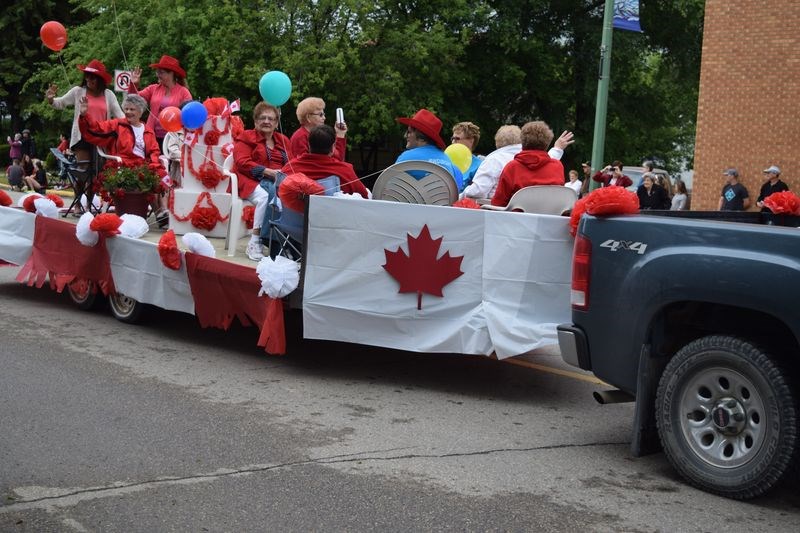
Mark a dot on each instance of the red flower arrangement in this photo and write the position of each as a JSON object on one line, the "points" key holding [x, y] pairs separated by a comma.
{"points": [[295, 188], [248, 215], [5, 199], [784, 202], [467, 203], [605, 201], [116, 181]]}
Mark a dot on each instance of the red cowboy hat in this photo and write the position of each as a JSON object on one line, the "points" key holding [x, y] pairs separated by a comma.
{"points": [[97, 68], [427, 123], [170, 63]]}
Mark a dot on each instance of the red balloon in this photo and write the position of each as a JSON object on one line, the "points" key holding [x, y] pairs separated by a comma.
{"points": [[53, 35], [170, 118]]}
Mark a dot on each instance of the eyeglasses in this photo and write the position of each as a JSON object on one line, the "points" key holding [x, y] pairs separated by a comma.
{"points": [[455, 138], [264, 118], [320, 114]]}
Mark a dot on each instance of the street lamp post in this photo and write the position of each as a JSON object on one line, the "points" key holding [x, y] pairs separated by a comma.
{"points": [[599, 138]]}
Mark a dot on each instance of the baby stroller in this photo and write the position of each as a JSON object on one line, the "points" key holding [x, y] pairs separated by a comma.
{"points": [[80, 175]]}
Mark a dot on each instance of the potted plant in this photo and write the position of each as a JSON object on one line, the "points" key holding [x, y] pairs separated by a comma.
{"points": [[130, 188]]}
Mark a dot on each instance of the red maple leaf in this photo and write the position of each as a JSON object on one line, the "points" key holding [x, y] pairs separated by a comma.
{"points": [[420, 271]]}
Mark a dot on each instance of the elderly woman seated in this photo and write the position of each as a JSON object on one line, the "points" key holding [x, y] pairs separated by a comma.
{"points": [[127, 138], [531, 166], [259, 154]]}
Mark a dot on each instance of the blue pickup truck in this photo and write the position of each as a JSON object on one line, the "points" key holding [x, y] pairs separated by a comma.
{"points": [[696, 317]]}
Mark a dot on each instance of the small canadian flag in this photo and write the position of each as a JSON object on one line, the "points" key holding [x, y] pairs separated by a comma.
{"points": [[188, 138], [232, 107]]}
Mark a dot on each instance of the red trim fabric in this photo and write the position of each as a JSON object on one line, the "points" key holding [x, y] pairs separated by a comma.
{"points": [[223, 291], [58, 253]]}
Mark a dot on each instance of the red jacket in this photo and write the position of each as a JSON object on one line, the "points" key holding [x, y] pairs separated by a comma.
{"points": [[529, 167], [606, 177], [300, 144], [116, 137], [250, 158], [319, 166]]}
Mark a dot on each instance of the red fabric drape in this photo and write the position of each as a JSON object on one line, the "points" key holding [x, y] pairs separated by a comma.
{"points": [[57, 252], [223, 291]]}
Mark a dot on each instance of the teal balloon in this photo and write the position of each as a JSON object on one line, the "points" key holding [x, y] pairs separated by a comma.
{"points": [[275, 87], [193, 115]]}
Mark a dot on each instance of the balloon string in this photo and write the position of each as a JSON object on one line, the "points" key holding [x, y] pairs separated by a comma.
{"points": [[63, 68], [119, 35]]}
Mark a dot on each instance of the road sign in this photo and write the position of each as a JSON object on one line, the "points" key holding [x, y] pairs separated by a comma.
{"points": [[122, 79]]}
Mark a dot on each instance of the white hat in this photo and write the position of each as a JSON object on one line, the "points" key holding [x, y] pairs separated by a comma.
{"points": [[772, 170]]}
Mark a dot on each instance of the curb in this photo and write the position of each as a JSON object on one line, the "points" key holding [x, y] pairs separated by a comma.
{"points": [[63, 193]]}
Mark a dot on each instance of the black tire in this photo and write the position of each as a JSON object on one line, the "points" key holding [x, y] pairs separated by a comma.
{"points": [[125, 309], [726, 416], [84, 294]]}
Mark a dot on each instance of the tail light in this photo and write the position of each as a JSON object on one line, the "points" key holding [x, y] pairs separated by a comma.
{"points": [[581, 262]]}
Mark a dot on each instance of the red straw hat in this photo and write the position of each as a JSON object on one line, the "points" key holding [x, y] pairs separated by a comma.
{"points": [[97, 68], [427, 123], [170, 63]]}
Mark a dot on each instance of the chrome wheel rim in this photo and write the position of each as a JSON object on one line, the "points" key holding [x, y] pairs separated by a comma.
{"points": [[723, 417], [123, 305]]}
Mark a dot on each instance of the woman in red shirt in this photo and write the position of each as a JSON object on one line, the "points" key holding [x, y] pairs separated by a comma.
{"points": [[170, 91]]}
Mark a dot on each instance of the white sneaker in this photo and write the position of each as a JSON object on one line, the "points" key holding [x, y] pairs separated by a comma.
{"points": [[254, 251]]}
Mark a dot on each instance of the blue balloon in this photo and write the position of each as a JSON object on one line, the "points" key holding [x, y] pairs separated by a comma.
{"points": [[275, 87], [193, 115]]}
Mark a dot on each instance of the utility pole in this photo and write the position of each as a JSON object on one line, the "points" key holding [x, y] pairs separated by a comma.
{"points": [[599, 138]]}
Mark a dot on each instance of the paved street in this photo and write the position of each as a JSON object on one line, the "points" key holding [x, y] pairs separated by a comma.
{"points": [[165, 426]]}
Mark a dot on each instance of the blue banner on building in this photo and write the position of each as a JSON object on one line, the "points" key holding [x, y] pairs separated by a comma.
{"points": [[626, 15]]}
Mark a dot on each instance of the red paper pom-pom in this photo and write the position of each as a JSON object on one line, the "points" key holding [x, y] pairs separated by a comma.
{"points": [[237, 126], [211, 137], [5, 199], [106, 224], [248, 214], [27, 204], [612, 201], [215, 106], [56, 199], [784, 202], [168, 251], [467, 203], [295, 188], [575, 217]]}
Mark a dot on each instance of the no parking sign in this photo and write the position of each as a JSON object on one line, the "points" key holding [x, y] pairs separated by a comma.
{"points": [[122, 78]]}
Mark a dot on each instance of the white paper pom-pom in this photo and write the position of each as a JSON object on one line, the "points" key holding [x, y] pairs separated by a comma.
{"points": [[133, 226], [278, 276], [46, 207], [198, 244], [86, 236], [21, 201]]}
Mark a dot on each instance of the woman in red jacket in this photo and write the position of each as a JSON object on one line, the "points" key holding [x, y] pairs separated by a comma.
{"points": [[532, 166], [259, 154], [127, 138]]}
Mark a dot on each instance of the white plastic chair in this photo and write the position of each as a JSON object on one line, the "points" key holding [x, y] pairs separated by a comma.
{"points": [[236, 226], [397, 184], [539, 199]]}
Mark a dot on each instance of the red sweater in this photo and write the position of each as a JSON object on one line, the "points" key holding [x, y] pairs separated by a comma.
{"points": [[319, 166], [529, 167], [300, 144], [250, 156], [116, 137]]}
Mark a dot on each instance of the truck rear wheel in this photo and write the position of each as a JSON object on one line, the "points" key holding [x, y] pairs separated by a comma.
{"points": [[83, 294], [726, 417], [124, 308]]}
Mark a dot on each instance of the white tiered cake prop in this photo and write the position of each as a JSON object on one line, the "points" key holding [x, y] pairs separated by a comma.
{"points": [[203, 153]]}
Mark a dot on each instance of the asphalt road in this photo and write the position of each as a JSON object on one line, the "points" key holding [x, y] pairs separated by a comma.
{"points": [[168, 427]]}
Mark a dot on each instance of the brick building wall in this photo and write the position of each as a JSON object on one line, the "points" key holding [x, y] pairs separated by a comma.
{"points": [[749, 104]]}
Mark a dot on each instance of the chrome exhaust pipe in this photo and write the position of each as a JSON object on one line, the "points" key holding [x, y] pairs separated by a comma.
{"points": [[604, 397]]}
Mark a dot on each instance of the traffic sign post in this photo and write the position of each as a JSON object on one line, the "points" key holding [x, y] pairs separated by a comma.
{"points": [[122, 78]]}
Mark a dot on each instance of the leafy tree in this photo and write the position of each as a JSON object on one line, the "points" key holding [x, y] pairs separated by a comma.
{"points": [[488, 61]]}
